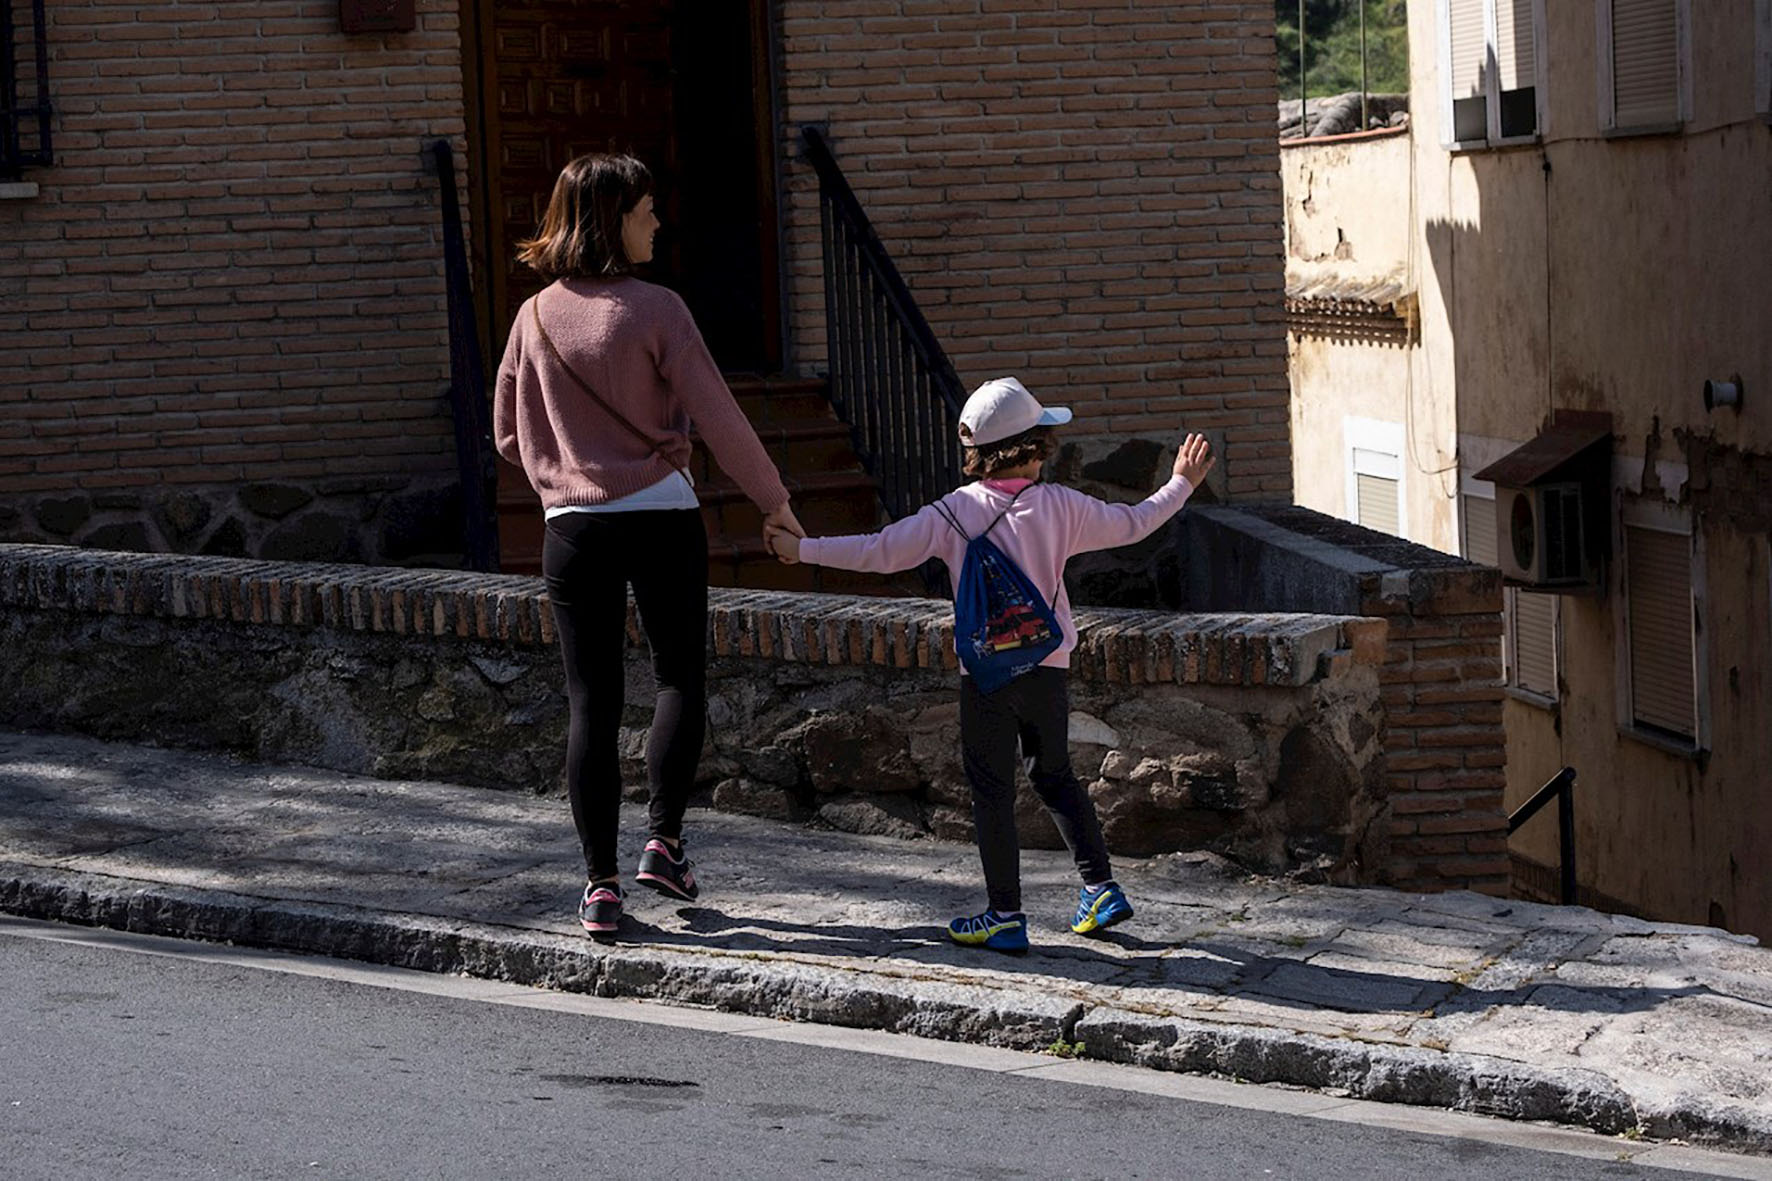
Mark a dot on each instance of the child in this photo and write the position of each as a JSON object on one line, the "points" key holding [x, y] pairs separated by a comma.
{"points": [[1007, 437]]}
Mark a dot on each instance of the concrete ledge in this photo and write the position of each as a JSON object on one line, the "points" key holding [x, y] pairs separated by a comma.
{"points": [[766, 986]]}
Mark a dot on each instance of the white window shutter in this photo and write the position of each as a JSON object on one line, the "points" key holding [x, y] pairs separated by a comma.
{"points": [[1535, 642], [1479, 531], [1515, 52], [1377, 503], [1645, 63], [1470, 47], [1658, 585]]}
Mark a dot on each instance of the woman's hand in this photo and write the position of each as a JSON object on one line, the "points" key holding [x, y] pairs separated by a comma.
{"points": [[779, 527], [1194, 459], [781, 543]]}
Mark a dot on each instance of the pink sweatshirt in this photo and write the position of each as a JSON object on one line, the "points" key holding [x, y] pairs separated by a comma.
{"points": [[636, 344], [1047, 524]]}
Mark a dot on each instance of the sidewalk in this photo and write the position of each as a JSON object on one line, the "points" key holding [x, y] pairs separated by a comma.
{"points": [[1452, 1000]]}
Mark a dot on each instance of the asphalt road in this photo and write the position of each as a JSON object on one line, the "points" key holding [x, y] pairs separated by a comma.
{"points": [[117, 1064]]}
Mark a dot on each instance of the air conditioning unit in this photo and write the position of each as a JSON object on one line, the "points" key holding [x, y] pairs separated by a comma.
{"points": [[1538, 535]]}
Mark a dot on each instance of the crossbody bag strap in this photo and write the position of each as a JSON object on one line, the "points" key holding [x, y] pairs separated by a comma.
{"points": [[535, 308], [1006, 508], [947, 514]]}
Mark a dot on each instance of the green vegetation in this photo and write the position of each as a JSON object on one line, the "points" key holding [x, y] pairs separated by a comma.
{"points": [[1332, 46], [1063, 1049]]}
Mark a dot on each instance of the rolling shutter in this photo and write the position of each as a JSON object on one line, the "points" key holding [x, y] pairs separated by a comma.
{"points": [[1470, 47], [1658, 585], [1479, 531], [1515, 52], [1534, 623], [1377, 507], [1469, 34], [1645, 63]]}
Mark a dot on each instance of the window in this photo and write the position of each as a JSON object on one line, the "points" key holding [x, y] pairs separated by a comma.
{"points": [[1375, 474], [1531, 621], [1644, 71], [1662, 695], [24, 89], [1491, 50]]}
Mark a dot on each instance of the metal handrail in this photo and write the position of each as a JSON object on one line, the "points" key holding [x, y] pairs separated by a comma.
{"points": [[1562, 786], [467, 380], [13, 116], [889, 377]]}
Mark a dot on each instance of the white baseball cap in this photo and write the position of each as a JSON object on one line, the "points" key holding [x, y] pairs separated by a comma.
{"points": [[1002, 408]]}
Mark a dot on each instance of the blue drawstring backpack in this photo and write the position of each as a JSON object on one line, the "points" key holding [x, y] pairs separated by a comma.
{"points": [[1003, 626]]}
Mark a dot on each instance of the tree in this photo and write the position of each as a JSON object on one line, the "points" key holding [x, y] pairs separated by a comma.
{"points": [[1332, 46]]}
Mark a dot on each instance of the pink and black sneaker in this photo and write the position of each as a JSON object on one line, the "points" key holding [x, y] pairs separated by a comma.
{"points": [[668, 875], [599, 913]]}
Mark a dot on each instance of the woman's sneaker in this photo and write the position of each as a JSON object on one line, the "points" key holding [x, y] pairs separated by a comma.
{"points": [[998, 932], [1100, 909], [666, 874], [599, 912]]}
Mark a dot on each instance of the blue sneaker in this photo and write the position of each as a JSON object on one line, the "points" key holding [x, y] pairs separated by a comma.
{"points": [[1100, 909], [991, 930]]}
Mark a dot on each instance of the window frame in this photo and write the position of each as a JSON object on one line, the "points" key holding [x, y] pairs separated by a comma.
{"points": [[1492, 91], [1374, 436], [1683, 74], [1662, 517]]}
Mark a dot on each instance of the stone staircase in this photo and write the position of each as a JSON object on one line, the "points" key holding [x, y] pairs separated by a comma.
{"points": [[810, 445]]}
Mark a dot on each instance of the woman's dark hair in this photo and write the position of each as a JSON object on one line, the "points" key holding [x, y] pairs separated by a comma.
{"points": [[981, 463], [580, 235]]}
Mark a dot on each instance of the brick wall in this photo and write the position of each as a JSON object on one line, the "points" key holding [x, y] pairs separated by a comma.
{"points": [[234, 269], [1082, 192]]}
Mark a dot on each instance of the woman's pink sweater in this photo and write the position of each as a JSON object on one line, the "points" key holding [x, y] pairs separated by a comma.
{"points": [[1045, 526], [636, 344]]}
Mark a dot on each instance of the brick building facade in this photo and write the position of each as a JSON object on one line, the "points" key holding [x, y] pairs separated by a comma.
{"points": [[223, 304]]}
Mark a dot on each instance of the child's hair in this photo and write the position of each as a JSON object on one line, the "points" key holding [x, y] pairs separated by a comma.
{"points": [[981, 463], [580, 235]]}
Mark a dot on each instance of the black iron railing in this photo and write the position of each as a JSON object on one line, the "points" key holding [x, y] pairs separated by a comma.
{"points": [[467, 380], [890, 379], [24, 92], [1562, 786]]}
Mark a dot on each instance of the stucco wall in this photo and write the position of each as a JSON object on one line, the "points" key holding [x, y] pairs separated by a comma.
{"points": [[1617, 274], [1348, 221]]}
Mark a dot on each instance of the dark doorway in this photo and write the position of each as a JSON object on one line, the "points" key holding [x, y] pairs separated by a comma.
{"points": [[682, 84]]}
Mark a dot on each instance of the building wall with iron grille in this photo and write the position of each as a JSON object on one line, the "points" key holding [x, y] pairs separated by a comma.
{"points": [[1082, 194]]}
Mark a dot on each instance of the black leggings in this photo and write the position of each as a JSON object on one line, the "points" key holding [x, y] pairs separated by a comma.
{"points": [[589, 560], [1032, 711]]}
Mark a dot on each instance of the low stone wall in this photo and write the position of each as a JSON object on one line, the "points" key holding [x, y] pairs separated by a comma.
{"points": [[1259, 736]]}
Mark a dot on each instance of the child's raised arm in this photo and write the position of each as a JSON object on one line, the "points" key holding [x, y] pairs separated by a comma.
{"points": [[902, 545]]}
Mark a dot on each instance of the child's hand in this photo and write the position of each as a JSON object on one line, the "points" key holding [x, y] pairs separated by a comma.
{"points": [[781, 543], [1194, 459]]}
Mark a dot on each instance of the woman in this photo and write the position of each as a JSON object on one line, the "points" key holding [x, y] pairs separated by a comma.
{"points": [[601, 378]]}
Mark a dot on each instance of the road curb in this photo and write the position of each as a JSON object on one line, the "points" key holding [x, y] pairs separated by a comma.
{"points": [[761, 985]]}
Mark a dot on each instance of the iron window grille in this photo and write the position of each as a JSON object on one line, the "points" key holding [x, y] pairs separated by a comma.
{"points": [[24, 89]]}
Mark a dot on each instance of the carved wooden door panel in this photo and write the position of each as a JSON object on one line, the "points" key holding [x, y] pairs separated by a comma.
{"points": [[565, 77]]}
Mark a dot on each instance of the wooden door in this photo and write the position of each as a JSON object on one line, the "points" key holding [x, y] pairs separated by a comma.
{"points": [[565, 77]]}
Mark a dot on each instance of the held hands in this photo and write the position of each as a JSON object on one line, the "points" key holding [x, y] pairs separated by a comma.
{"points": [[1194, 459], [782, 532]]}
